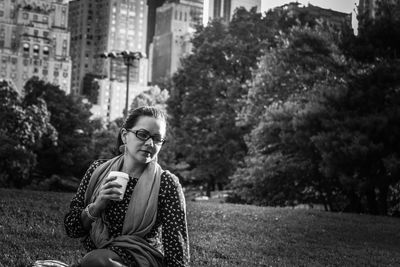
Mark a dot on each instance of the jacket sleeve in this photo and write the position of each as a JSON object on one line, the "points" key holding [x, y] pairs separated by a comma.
{"points": [[72, 220], [174, 225]]}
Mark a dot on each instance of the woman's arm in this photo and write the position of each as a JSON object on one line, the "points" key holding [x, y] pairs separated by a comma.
{"points": [[174, 226], [76, 222]]}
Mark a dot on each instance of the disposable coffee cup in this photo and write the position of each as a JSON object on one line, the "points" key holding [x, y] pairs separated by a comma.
{"points": [[122, 179]]}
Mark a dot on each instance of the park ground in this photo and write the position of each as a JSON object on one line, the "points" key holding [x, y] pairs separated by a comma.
{"points": [[31, 228]]}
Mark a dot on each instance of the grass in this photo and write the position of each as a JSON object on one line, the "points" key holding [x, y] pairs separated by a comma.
{"points": [[31, 228]]}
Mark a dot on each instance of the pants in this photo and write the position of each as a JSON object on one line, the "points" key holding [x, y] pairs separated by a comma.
{"points": [[102, 258]]}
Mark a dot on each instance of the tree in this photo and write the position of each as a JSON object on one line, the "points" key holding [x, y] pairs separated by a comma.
{"points": [[379, 37], [206, 93], [105, 141], [70, 117], [22, 126], [208, 99], [332, 143], [151, 97], [282, 165]]}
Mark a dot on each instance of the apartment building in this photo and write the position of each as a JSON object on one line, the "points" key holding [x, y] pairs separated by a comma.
{"points": [[175, 25], [34, 41], [104, 26], [224, 9]]}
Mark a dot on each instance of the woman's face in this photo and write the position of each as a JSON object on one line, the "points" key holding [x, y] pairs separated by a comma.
{"points": [[139, 150]]}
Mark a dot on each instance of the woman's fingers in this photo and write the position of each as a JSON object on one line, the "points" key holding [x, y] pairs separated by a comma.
{"points": [[110, 193], [111, 185], [109, 179]]}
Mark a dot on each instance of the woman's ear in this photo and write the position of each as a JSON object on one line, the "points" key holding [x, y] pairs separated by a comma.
{"points": [[124, 132]]}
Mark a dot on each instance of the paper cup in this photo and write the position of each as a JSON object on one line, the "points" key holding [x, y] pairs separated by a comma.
{"points": [[122, 179]]}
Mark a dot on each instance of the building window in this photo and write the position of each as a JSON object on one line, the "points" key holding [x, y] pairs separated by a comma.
{"points": [[25, 15], [1, 13], [12, 13], [26, 48], [35, 17], [35, 50], [45, 51], [4, 59]]}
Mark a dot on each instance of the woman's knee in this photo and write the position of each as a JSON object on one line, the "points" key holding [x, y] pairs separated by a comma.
{"points": [[100, 258]]}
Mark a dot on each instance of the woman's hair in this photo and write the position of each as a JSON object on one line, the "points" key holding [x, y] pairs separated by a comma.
{"points": [[134, 116]]}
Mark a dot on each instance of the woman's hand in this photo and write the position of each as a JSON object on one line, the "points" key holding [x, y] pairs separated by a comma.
{"points": [[108, 191]]}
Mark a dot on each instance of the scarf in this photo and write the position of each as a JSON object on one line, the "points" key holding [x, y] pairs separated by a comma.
{"points": [[140, 216]]}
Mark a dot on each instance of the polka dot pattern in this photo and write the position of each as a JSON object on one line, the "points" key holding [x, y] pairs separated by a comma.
{"points": [[168, 235]]}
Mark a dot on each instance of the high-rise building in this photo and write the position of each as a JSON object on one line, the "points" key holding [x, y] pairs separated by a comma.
{"points": [[334, 18], [175, 25], [34, 41], [224, 9], [151, 20], [103, 26]]}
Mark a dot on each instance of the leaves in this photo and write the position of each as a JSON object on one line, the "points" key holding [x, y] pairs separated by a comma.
{"points": [[22, 128]]}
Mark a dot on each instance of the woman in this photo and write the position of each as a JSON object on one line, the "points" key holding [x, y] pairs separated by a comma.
{"points": [[129, 232]]}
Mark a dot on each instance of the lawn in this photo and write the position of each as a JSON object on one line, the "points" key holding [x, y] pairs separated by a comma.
{"points": [[220, 234]]}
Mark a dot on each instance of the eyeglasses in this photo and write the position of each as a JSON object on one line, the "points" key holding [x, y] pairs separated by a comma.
{"points": [[145, 135]]}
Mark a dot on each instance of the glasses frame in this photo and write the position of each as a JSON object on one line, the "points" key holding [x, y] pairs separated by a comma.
{"points": [[150, 136]]}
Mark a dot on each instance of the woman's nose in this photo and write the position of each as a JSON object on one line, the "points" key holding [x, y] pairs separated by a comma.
{"points": [[149, 142]]}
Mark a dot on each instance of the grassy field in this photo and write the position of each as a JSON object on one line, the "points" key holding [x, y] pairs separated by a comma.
{"points": [[220, 234]]}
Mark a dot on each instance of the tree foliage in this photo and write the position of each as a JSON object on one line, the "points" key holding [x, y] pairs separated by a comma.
{"points": [[151, 97], [323, 126], [206, 94], [22, 128], [379, 37], [209, 95], [70, 117]]}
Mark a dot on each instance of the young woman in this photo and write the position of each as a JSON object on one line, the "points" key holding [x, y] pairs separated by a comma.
{"points": [[148, 227]]}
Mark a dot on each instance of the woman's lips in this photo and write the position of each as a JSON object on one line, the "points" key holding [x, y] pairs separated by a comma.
{"points": [[146, 152]]}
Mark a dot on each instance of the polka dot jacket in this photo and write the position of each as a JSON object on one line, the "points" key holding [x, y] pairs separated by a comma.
{"points": [[169, 234]]}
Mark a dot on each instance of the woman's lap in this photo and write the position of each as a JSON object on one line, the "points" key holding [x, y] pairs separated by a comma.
{"points": [[102, 258]]}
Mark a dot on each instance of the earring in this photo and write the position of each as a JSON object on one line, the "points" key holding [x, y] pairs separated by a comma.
{"points": [[122, 148]]}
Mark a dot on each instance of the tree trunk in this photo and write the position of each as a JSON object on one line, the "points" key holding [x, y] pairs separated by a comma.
{"points": [[355, 203], [210, 186], [371, 201], [382, 200]]}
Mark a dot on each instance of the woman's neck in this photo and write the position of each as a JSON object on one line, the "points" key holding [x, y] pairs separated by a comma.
{"points": [[134, 169]]}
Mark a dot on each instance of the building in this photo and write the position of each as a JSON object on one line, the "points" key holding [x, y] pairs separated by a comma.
{"points": [[151, 20], [175, 25], [224, 9], [103, 26], [34, 41], [334, 18]]}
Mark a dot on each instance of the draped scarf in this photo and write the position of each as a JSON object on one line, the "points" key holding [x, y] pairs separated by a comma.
{"points": [[140, 216]]}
